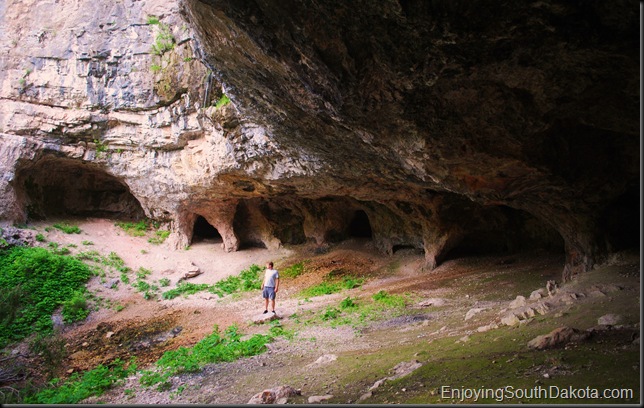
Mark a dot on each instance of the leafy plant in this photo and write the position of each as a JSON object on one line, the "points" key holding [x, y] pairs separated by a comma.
{"points": [[389, 300], [160, 237], [164, 41], [347, 303], [78, 387], [223, 101], [75, 308], [46, 281], [164, 282], [40, 238], [68, 229], [213, 348]]}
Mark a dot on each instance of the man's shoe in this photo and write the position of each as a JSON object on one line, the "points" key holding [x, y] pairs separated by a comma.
{"points": [[273, 311], [265, 311]]}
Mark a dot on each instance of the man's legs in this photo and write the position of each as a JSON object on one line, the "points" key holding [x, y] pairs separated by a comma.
{"points": [[265, 305], [272, 304]]}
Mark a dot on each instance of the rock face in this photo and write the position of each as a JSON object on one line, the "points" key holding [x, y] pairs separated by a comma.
{"points": [[447, 126]]}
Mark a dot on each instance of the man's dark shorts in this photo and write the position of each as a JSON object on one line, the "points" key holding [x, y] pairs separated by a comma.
{"points": [[268, 293]]}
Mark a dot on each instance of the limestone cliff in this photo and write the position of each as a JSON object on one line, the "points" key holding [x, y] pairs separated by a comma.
{"points": [[444, 126]]}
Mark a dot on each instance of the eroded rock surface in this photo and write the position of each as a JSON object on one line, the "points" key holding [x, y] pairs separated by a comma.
{"points": [[448, 127]]}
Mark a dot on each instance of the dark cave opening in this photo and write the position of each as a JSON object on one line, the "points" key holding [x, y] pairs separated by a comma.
{"points": [[622, 219], [360, 227], [59, 187], [203, 230], [503, 230], [407, 249]]}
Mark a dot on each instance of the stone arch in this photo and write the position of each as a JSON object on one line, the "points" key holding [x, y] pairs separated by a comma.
{"points": [[58, 187]]}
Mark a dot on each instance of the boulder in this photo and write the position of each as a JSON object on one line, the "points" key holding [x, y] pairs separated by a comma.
{"points": [[277, 395], [558, 337], [610, 319]]}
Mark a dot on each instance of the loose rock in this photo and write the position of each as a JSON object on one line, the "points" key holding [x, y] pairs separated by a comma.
{"points": [[557, 337]]}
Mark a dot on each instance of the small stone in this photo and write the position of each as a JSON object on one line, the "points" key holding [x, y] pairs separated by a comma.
{"points": [[316, 399], [472, 312], [85, 344], [71, 370], [546, 375], [109, 334]]}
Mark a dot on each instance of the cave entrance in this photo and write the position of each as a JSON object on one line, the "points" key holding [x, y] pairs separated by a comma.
{"points": [[618, 221], [359, 227], [56, 187], [504, 230], [204, 231]]}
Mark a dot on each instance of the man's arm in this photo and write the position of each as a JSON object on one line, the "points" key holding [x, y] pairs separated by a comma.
{"points": [[277, 284]]}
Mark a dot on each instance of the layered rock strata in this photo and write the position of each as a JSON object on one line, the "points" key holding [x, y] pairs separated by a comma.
{"points": [[448, 127]]}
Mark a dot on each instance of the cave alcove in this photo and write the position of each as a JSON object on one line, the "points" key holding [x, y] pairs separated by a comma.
{"points": [[55, 187], [204, 231], [503, 230], [359, 226], [619, 221]]}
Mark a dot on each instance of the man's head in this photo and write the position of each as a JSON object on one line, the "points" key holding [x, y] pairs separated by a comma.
{"points": [[270, 265]]}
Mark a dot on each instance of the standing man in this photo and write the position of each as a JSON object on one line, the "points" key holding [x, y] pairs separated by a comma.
{"points": [[270, 285]]}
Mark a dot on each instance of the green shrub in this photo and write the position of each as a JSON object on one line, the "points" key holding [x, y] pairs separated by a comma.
{"points": [[40, 238], [46, 281], [68, 229], [78, 387], [214, 348], [164, 282], [330, 313], [75, 308], [160, 237], [347, 303], [185, 288]]}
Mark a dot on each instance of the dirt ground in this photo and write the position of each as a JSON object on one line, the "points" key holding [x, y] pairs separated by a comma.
{"points": [[147, 328]]}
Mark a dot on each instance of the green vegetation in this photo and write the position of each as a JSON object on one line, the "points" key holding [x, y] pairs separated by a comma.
{"points": [[332, 286], [159, 237], [294, 270], [389, 300], [164, 41], [155, 67], [34, 282], [68, 229], [248, 279], [79, 387], [40, 238], [137, 229], [214, 348], [223, 101]]}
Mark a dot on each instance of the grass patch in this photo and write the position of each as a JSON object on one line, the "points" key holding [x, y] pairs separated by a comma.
{"points": [[78, 387], [294, 270], [34, 282], [67, 228], [137, 229], [159, 237], [332, 286], [247, 280], [214, 348]]}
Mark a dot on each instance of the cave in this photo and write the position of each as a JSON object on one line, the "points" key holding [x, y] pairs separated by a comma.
{"points": [[503, 230], [58, 187], [203, 231], [359, 227], [618, 220]]}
